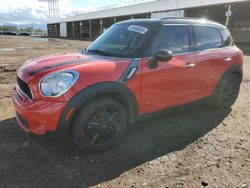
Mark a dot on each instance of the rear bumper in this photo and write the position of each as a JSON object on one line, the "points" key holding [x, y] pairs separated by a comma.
{"points": [[36, 116]]}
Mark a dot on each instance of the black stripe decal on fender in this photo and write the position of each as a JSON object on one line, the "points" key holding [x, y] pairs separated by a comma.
{"points": [[45, 68]]}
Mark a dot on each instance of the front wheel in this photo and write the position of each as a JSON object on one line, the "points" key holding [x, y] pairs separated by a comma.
{"points": [[227, 91], [99, 125]]}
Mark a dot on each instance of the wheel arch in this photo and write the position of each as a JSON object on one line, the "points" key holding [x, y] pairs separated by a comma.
{"points": [[233, 69], [114, 90]]}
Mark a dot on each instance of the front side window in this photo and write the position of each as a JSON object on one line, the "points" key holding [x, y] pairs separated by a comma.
{"points": [[122, 40], [227, 38], [174, 38], [207, 38]]}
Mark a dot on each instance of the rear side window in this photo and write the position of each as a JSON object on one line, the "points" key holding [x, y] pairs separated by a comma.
{"points": [[227, 38], [174, 38], [207, 38]]}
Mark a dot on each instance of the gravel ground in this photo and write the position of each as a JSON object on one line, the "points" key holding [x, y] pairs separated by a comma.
{"points": [[192, 147]]}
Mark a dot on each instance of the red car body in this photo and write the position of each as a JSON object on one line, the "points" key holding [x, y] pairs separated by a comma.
{"points": [[43, 113], [185, 78]]}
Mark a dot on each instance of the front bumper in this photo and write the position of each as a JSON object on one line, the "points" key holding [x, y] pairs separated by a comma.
{"points": [[36, 116]]}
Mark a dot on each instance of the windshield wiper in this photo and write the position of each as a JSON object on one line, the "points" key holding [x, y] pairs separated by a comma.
{"points": [[96, 51]]}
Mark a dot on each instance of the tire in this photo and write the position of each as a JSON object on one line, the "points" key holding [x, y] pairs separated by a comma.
{"points": [[227, 91], [99, 125]]}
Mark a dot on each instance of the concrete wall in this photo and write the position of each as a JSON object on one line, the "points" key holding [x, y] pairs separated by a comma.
{"points": [[239, 21], [63, 29], [164, 14], [147, 7], [89, 28]]}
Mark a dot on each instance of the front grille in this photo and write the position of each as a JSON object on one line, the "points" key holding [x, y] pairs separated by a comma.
{"points": [[25, 88]]}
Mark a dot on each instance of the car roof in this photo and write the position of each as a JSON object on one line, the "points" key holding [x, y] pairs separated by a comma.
{"points": [[175, 20]]}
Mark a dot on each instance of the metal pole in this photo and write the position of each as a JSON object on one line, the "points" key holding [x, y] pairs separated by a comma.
{"points": [[49, 10], [90, 29], [100, 26], [51, 13], [57, 7], [228, 16], [56, 13], [53, 9], [81, 29], [114, 19]]}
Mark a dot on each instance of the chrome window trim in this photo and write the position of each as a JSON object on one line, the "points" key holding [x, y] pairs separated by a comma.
{"points": [[214, 49], [198, 51], [176, 24]]}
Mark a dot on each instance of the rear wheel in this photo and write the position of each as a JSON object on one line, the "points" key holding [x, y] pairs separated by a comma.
{"points": [[99, 125], [227, 91]]}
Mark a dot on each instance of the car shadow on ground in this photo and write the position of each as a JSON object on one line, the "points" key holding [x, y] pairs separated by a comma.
{"points": [[56, 161]]}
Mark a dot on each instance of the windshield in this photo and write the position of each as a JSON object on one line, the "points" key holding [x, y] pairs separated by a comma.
{"points": [[122, 40]]}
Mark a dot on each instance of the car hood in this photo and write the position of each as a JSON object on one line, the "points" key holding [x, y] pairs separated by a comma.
{"points": [[52, 63]]}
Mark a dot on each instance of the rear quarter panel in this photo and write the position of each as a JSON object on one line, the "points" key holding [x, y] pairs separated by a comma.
{"points": [[211, 66]]}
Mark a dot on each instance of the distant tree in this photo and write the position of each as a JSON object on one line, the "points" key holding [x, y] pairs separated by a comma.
{"points": [[37, 30], [8, 28], [29, 29]]}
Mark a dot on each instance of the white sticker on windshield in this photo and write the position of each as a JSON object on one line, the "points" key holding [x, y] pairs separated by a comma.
{"points": [[138, 29]]}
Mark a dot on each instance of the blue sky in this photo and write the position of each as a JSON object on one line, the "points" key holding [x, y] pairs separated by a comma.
{"points": [[95, 3], [35, 12]]}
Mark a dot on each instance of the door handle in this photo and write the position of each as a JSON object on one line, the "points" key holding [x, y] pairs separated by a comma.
{"points": [[227, 59], [190, 65]]}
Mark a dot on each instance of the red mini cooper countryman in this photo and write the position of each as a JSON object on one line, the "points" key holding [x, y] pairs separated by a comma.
{"points": [[135, 68]]}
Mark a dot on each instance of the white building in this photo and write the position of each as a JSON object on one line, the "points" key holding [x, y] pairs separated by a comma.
{"points": [[92, 24]]}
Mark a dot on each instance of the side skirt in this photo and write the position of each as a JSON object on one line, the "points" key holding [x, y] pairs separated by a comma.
{"points": [[203, 100]]}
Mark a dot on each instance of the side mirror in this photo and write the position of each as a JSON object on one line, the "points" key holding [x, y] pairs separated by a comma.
{"points": [[161, 55]]}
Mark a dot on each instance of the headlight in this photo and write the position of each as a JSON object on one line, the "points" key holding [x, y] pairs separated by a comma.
{"points": [[56, 84]]}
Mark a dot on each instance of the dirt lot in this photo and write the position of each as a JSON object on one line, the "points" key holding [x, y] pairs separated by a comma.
{"points": [[192, 147]]}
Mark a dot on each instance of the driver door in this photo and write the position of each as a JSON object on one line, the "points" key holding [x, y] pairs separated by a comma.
{"points": [[172, 83]]}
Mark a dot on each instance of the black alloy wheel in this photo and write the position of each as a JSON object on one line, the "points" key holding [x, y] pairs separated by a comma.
{"points": [[100, 125]]}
